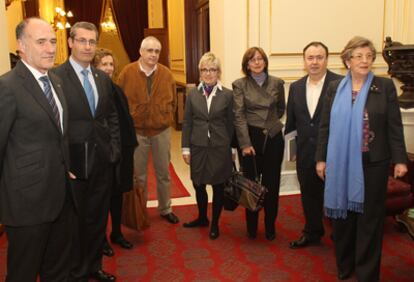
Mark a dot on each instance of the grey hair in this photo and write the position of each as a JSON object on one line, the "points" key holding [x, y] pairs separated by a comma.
{"points": [[145, 42]]}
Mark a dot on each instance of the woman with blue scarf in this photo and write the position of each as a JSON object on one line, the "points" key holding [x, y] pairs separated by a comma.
{"points": [[360, 134]]}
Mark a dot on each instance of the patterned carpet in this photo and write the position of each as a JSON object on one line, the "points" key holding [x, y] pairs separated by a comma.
{"points": [[168, 252], [173, 253]]}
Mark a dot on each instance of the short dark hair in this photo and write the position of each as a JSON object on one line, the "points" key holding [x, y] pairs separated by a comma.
{"points": [[248, 55], [316, 44], [84, 25]]}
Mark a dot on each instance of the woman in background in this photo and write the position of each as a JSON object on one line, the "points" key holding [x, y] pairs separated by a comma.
{"points": [[124, 170], [207, 134], [359, 134], [259, 103]]}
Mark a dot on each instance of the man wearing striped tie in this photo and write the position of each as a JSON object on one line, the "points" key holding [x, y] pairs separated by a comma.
{"points": [[94, 144], [36, 203]]}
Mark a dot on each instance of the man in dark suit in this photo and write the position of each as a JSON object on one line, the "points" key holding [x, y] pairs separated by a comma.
{"points": [[36, 204], [303, 115], [93, 123]]}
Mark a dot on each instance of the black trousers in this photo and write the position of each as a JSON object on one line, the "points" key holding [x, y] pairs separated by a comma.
{"points": [[94, 197], [312, 192], [358, 238], [202, 202], [116, 214], [269, 156], [41, 249]]}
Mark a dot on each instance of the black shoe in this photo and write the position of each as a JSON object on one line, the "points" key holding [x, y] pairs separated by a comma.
{"points": [[103, 276], [107, 250], [302, 242], [270, 236], [121, 241], [214, 232], [196, 223], [171, 218], [251, 235], [344, 275]]}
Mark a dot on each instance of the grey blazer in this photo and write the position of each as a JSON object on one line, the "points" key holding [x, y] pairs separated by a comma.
{"points": [[258, 106], [198, 121]]}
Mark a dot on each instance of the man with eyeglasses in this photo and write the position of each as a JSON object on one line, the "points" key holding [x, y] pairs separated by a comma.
{"points": [[304, 107], [151, 92], [94, 148]]}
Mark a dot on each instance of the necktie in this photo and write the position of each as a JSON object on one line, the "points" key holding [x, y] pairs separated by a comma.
{"points": [[87, 86], [49, 96]]}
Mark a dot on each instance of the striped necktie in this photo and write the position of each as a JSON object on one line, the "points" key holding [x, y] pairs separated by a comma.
{"points": [[47, 89], [87, 86]]}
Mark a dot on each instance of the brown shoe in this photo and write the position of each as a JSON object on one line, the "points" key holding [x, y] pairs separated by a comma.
{"points": [[408, 222]]}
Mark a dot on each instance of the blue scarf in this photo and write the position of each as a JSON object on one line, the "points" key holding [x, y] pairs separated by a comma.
{"points": [[344, 182]]}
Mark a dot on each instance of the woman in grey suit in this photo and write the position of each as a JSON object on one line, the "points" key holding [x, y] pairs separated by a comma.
{"points": [[206, 140], [360, 133], [259, 103]]}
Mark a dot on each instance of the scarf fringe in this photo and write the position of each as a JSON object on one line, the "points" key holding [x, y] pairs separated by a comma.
{"points": [[335, 213], [341, 213], [356, 207]]}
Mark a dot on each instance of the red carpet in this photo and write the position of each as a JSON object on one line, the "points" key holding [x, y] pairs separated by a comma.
{"points": [[168, 252], [177, 188]]}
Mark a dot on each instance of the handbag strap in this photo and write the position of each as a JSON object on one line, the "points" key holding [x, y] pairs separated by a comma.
{"points": [[256, 176]]}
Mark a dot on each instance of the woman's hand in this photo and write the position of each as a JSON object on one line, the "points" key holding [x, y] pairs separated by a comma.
{"points": [[320, 169], [248, 151], [187, 158], [400, 170]]}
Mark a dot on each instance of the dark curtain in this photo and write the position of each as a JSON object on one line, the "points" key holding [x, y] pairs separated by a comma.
{"points": [[30, 8], [131, 18], [85, 11]]}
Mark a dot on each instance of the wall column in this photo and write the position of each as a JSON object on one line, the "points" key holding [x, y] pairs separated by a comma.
{"points": [[4, 46]]}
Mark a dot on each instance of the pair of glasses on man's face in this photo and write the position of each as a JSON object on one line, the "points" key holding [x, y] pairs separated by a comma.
{"points": [[84, 41], [205, 71]]}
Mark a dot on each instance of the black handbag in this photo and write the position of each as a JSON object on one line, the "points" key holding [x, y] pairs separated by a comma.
{"points": [[243, 191]]}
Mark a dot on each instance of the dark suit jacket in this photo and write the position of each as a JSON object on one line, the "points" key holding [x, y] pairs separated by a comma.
{"points": [[125, 168], [298, 118], [384, 121], [34, 156], [101, 131]]}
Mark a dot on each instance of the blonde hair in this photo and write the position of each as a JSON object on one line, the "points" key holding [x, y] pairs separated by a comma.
{"points": [[209, 58]]}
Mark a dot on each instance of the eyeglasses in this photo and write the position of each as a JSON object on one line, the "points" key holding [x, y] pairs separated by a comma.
{"points": [[256, 60], [205, 71], [151, 50], [360, 57], [84, 42]]}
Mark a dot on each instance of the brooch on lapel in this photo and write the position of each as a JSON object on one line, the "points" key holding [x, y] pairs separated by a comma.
{"points": [[374, 89]]}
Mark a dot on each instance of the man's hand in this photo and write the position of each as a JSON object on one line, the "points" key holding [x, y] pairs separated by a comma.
{"points": [[72, 176], [187, 158], [320, 169], [400, 170]]}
